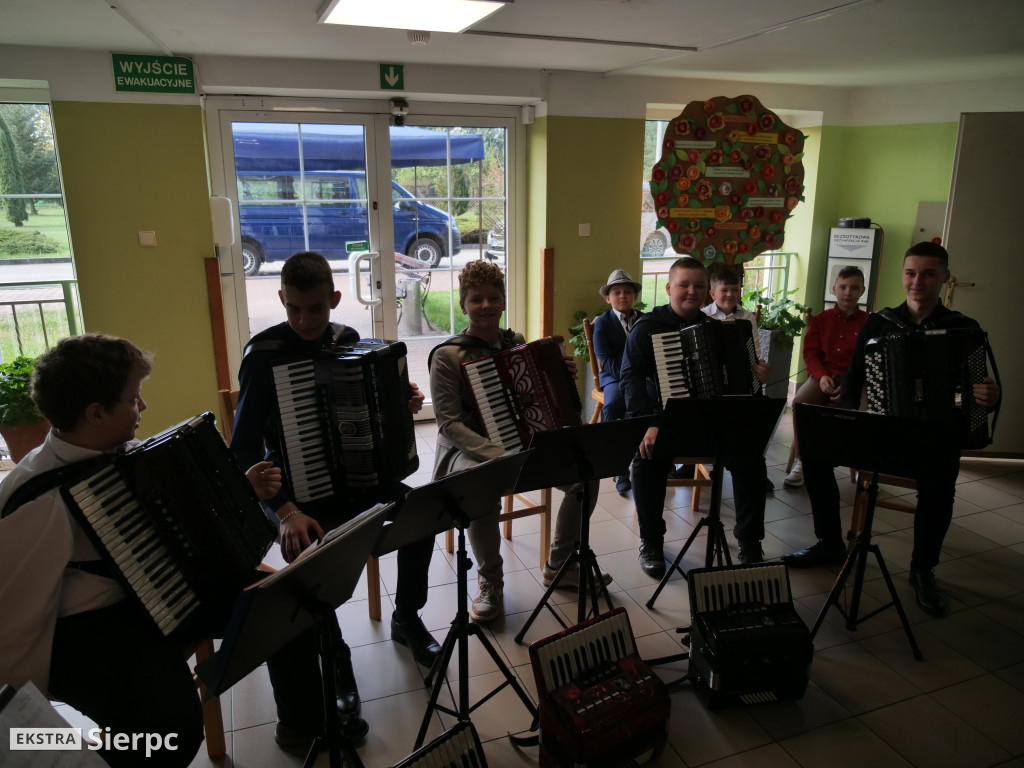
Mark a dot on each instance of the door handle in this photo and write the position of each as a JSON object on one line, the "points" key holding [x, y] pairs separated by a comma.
{"points": [[951, 286], [354, 262]]}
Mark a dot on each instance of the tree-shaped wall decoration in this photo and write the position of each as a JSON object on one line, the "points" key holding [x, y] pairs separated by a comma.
{"points": [[729, 177]]}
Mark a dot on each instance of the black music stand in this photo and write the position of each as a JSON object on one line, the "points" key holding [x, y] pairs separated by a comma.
{"points": [[719, 427], [572, 455], [879, 444], [274, 611], [455, 501]]}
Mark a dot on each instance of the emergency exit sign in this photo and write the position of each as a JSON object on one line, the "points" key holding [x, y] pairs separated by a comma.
{"points": [[392, 77], [144, 73]]}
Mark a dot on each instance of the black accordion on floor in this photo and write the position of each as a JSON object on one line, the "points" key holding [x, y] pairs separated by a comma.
{"points": [[747, 642], [345, 424], [928, 375], [178, 522], [600, 704], [706, 360]]}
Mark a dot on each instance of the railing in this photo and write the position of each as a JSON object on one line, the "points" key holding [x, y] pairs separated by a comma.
{"points": [[770, 270], [38, 314]]}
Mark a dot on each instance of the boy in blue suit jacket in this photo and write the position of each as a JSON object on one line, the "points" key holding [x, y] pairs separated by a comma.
{"points": [[610, 331]]}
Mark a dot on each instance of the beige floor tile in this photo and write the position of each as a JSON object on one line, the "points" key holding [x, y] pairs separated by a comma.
{"points": [[846, 744], [927, 734], [856, 680], [972, 701]]}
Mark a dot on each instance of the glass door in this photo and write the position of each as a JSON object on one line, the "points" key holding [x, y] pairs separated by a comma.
{"points": [[433, 196]]}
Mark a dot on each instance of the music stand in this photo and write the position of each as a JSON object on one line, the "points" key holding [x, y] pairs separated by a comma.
{"points": [[719, 427], [455, 501], [572, 455], [879, 444], [274, 611]]}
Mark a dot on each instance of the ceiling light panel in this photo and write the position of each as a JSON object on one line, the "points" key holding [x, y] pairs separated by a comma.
{"points": [[430, 15]]}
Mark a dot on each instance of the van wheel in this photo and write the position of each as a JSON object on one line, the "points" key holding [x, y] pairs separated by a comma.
{"points": [[426, 250], [252, 258], [655, 246]]}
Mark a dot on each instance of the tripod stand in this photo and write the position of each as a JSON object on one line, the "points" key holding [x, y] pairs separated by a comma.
{"points": [[879, 443], [737, 427], [428, 510], [579, 455], [303, 594]]}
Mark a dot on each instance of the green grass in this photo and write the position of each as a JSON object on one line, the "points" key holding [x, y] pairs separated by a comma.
{"points": [[30, 328], [49, 222]]}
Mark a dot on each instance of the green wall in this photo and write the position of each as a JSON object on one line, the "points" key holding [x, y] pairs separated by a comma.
{"points": [[139, 167], [593, 172], [885, 172]]}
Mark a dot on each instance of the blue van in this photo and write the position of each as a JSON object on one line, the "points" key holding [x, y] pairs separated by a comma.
{"points": [[278, 205], [273, 216]]}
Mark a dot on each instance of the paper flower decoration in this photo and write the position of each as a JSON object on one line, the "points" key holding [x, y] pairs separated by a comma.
{"points": [[732, 173]]}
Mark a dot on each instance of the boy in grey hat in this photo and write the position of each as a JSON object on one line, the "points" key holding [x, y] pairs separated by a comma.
{"points": [[610, 331]]}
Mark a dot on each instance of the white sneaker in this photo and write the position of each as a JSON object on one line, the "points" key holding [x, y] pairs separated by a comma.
{"points": [[571, 580], [795, 478], [487, 603]]}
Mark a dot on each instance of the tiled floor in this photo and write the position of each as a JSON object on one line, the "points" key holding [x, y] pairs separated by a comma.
{"points": [[869, 703]]}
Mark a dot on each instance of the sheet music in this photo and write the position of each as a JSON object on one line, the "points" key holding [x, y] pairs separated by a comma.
{"points": [[335, 534], [29, 708]]}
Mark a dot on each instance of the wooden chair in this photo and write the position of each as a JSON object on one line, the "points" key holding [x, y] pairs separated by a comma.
{"points": [[511, 512], [862, 480], [595, 368], [228, 403], [213, 717]]}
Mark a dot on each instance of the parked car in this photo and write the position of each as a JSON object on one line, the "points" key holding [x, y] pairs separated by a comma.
{"points": [[655, 241], [274, 213], [495, 249]]}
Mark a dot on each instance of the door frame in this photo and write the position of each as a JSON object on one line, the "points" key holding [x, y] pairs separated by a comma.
{"points": [[220, 111]]}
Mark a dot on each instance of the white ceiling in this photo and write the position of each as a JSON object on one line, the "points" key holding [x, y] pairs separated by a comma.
{"points": [[862, 42]]}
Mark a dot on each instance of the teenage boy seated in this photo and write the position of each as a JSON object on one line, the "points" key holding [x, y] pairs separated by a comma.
{"points": [[308, 295], [725, 304], [828, 347], [462, 441], [68, 626], [687, 289], [610, 330], [925, 270]]}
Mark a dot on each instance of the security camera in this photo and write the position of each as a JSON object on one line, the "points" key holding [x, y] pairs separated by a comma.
{"points": [[399, 108]]}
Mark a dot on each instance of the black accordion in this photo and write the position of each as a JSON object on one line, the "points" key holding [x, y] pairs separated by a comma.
{"points": [[928, 375], [747, 642], [177, 520], [706, 360], [523, 390], [600, 704], [458, 747], [345, 425]]}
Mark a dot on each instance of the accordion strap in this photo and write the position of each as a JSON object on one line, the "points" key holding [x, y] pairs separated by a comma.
{"points": [[465, 340], [51, 479]]}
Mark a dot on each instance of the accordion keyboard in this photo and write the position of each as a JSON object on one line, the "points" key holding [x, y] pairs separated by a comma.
{"points": [[720, 590], [670, 360], [497, 416], [302, 434], [136, 546]]}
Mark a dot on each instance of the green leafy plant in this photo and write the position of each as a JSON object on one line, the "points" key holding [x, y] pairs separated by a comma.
{"points": [[16, 406], [578, 339], [779, 312]]}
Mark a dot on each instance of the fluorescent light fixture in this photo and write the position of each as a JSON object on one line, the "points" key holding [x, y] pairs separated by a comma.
{"points": [[427, 15]]}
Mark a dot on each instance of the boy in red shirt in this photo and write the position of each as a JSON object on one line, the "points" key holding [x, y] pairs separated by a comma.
{"points": [[828, 347]]}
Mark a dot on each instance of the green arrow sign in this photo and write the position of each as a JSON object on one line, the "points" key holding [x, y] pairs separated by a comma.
{"points": [[392, 77]]}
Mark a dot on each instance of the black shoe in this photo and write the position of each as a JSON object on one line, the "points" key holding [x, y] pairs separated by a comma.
{"points": [[349, 704], [652, 559], [683, 472], [929, 597], [353, 729], [815, 555], [769, 486], [415, 636], [622, 484], [751, 552]]}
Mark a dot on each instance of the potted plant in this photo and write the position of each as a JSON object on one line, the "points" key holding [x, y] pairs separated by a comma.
{"points": [[781, 321], [21, 424]]}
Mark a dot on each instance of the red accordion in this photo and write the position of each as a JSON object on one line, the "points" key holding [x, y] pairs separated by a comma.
{"points": [[523, 390]]}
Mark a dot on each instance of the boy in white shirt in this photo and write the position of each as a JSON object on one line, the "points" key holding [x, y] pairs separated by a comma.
{"points": [[725, 305]]}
